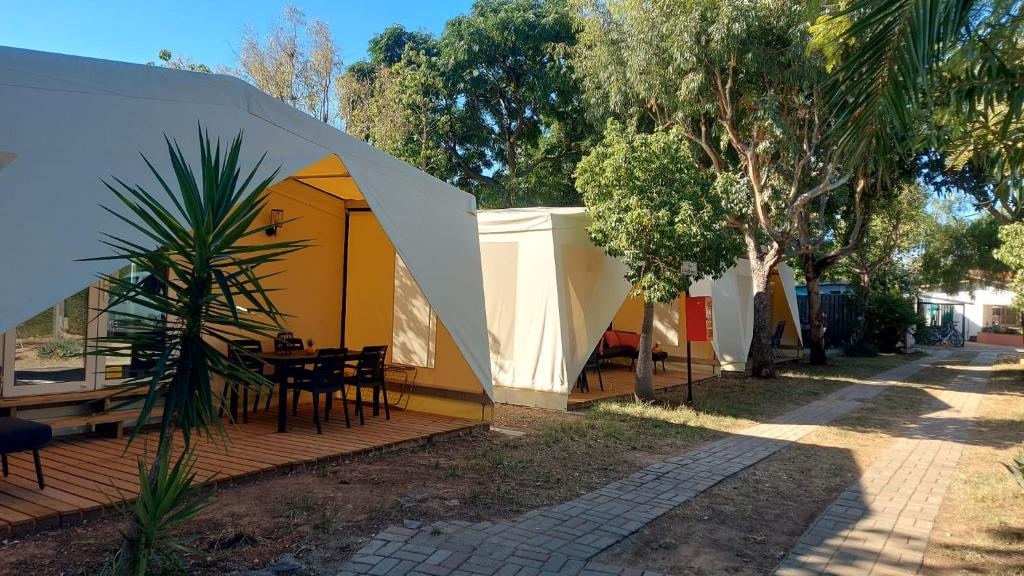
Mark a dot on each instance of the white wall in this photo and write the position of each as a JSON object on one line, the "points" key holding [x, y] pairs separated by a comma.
{"points": [[974, 310]]}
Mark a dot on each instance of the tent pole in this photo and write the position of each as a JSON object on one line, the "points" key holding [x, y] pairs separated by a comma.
{"points": [[689, 366], [344, 279]]}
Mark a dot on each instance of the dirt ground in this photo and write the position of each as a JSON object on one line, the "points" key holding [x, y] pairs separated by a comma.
{"points": [[980, 528], [747, 524], [322, 514]]}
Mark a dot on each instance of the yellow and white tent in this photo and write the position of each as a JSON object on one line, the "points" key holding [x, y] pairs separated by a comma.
{"points": [[551, 294], [400, 245]]}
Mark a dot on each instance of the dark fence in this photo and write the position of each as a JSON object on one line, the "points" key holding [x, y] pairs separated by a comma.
{"points": [[840, 314]]}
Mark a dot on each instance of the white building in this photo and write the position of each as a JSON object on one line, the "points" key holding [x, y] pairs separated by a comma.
{"points": [[970, 312]]}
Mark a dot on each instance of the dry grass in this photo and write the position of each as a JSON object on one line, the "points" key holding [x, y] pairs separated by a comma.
{"points": [[747, 524], [324, 514]]}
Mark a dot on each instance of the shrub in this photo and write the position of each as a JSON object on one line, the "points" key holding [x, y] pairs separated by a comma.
{"points": [[888, 318], [862, 349], [61, 348]]}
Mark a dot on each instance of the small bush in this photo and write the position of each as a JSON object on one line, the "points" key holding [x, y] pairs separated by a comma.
{"points": [[888, 318], [61, 348], [861, 349]]}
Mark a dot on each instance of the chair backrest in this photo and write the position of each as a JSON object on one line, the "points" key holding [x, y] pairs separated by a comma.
{"points": [[332, 352], [779, 329], [146, 356], [329, 369], [371, 362], [288, 345], [247, 345]]}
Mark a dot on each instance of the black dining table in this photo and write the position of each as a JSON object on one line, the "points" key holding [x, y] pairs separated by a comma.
{"points": [[285, 363]]}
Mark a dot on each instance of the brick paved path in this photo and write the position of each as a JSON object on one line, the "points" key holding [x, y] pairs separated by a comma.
{"points": [[880, 524], [564, 539]]}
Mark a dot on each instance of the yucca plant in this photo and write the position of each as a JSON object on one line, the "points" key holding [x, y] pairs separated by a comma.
{"points": [[169, 497], [204, 278]]}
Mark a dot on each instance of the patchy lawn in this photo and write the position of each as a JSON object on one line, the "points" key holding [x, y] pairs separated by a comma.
{"points": [[980, 528], [748, 523], [323, 514]]}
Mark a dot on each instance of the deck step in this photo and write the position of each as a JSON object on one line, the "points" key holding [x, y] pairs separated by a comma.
{"points": [[114, 417]]}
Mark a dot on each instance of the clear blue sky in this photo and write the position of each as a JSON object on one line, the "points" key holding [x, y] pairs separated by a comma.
{"points": [[205, 31]]}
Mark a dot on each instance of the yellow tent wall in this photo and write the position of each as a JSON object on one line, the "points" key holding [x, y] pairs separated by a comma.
{"points": [[310, 283]]}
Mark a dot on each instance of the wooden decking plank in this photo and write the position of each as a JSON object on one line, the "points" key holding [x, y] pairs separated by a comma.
{"points": [[91, 474], [82, 487], [75, 502], [37, 497], [136, 451], [102, 475], [123, 468]]}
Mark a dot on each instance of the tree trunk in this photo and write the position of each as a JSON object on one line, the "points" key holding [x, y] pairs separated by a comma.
{"points": [[814, 312], [762, 362], [644, 363], [865, 293]]}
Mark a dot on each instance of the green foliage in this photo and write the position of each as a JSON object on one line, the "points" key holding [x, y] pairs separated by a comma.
{"points": [[861, 349], [951, 67], [388, 47], [960, 253], [491, 105], [167, 500], [61, 348], [887, 319], [1011, 253], [653, 208], [1016, 469], [169, 60]]}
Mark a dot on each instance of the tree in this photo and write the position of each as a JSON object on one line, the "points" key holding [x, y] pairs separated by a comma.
{"points": [[651, 207], [1011, 253], [503, 103], [169, 60], [910, 58], [195, 229], [296, 63], [388, 47], [743, 84], [894, 230], [401, 110], [958, 250]]}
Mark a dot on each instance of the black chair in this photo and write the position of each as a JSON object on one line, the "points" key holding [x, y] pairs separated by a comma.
{"points": [[18, 435], [593, 363], [777, 341], [326, 377], [147, 350], [368, 372], [287, 345], [237, 352]]}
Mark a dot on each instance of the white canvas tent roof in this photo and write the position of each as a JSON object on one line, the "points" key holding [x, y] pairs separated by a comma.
{"points": [[551, 293], [68, 122]]}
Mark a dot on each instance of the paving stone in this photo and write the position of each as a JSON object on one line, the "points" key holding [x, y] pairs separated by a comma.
{"points": [[563, 539], [881, 523]]}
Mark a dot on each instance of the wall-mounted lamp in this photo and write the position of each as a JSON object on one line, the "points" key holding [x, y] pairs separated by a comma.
{"points": [[276, 221]]}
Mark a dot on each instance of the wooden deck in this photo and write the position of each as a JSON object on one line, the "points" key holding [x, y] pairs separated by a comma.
{"points": [[619, 384], [87, 476]]}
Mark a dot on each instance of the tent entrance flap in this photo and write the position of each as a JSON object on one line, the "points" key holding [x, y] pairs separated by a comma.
{"points": [[384, 304]]}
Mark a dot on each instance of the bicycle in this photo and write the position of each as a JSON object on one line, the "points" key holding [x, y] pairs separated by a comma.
{"points": [[946, 336]]}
